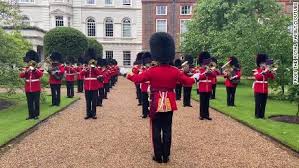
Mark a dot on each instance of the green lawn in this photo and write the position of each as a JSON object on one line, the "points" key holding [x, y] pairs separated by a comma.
{"points": [[286, 133], [12, 120]]}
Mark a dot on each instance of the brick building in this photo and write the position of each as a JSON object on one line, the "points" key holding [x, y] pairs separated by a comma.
{"points": [[287, 5], [167, 16]]}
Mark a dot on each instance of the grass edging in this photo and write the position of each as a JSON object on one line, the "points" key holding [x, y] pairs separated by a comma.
{"points": [[279, 142], [31, 129]]}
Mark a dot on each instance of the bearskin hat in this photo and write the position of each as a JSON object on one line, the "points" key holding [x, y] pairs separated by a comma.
{"points": [[214, 59], [178, 63], [31, 55], [188, 58], [90, 53], [162, 47], [234, 61], [138, 58], [56, 57], [80, 60], [203, 56], [261, 58], [146, 58]]}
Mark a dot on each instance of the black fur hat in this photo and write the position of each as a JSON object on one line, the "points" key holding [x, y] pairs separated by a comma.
{"points": [[178, 63], [80, 60], [214, 59], [188, 58], [90, 53], [162, 47], [203, 56], [31, 55], [56, 57], [138, 58], [234, 61], [261, 58], [146, 58]]}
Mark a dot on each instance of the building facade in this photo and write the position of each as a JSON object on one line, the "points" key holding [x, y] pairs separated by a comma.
{"points": [[116, 24]]}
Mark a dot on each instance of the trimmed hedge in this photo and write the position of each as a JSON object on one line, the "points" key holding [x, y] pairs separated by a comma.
{"points": [[93, 43]]}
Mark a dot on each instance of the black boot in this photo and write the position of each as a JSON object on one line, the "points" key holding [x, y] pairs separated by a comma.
{"points": [[157, 159]]}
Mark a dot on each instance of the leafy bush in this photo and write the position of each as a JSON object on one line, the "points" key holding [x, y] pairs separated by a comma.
{"points": [[70, 42], [93, 43]]}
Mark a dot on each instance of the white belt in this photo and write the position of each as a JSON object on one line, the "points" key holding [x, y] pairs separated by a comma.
{"points": [[204, 81], [90, 78], [32, 80], [70, 74], [261, 81]]}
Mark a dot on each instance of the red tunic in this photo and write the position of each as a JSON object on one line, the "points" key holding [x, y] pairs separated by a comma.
{"points": [[106, 75], [70, 73], [162, 80], [79, 69], [228, 82], [144, 86], [216, 72], [101, 72], [191, 71], [204, 80], [136, 70], [91, 78], [261, 80], [60, 72], [32, 80]]}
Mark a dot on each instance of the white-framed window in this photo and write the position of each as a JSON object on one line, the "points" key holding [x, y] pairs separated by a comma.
{"points": [[161, 10], [126, 27], [183, 25], [25, 1], [90, 2], [108, 27], [127, 58], [59, 21], [109, 54], [91, 27], [127, 2], [108, 2], [58, 0], [25, 20], [161, 25], [186, 10]]}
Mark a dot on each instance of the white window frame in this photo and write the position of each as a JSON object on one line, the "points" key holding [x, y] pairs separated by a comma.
{"points": [[127, 4], [88, 28], [25, 1], [108, 54], [127, 62], [122, 27], [166, 27], [105, 30], [158, 10], [112, 3], [61, 21], [181, 20], [181, 10], [26, 22], [86, 2]]}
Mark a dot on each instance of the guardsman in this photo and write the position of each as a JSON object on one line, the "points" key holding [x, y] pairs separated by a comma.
{"points": [[214, 80], [232, 74], [163, 78], [91, 76], [204, 78], [146, 61], [136, 70], [106, 78], [56, 71], [32, 75], [262, 74], [70, 73], [80, 78], [188, 71], [100, 83], [178, 88]]}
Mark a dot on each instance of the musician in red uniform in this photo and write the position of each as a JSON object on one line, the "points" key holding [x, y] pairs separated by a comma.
{"points": [[178, 88], [91, 76], [70, 73], [56, 71], [188, 71], [106, 78], [100, 83], [232, 74], [204, 78], [146, 60], [163, 79], [214, 80], [32, 75], [136, 70], [262, 74], [80, 78]]}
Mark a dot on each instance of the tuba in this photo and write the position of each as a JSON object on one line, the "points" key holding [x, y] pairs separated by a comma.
{"points": [[53, 69]]}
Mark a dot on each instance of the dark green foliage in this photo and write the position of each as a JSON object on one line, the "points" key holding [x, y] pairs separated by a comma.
{"points": [[93, 43]]}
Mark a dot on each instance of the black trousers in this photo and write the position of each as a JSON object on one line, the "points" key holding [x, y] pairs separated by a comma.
{"points": [[100, 97], [70, 88], [204, 104], [110, 83], [33, 103], [55, 91], [106, 90], [213, 94], [178, 91], [187, 96], [145, 104], [260, 104], [138, 93], [161, 133], [231, 91], [91, 102], [80, 86]]}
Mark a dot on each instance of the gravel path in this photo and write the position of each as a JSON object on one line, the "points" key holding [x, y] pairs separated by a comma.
{"points": [[120, 138]]}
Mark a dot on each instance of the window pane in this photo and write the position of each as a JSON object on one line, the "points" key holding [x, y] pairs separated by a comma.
{"points": [[161, 26], [59, 21], [127, 58], [109, 54], [25, 21], [126, 28], [161, 10], [108, 2], [25, 1], [184, 26], [126, 2], [91, 27], [109, 28], [91, 1], [186, 10]]}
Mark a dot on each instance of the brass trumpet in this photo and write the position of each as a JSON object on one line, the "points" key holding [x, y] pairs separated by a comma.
{"points": [[185, 67]]}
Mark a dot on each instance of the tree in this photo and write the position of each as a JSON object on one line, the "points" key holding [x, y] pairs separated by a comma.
{"points": [[242, 28], [70, 42], [9, 13], [93, 43], [294, 96]]}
